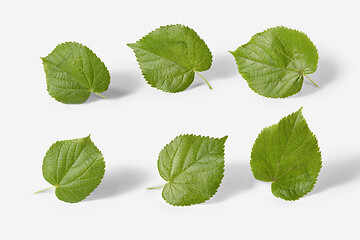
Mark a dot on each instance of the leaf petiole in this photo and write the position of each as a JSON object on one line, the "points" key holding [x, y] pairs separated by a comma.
{"points": [[99, 95], [156, 187], [310, 80], [45, 189], [203, 78]]}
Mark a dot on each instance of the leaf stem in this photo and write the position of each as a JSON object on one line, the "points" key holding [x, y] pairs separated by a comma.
{"points": [[203, 78], [310, 80], [99, 95], [45, 189], [156, 187]]}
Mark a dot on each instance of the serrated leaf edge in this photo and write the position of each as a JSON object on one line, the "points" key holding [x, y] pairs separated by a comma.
{"points": [[317, 145], [102, 160], [73, 42], [267, 30], [131, 45], [221, 174]]}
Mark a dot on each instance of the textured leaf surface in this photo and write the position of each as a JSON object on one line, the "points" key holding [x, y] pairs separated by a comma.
{"points": [[287, 154], [73, 71], [170, 55], [274, 62], [75, 167], [193, 167]]}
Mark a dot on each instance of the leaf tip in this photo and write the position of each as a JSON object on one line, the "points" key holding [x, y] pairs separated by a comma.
{"points": [[232, 52], [225, 138], [300, 110]]}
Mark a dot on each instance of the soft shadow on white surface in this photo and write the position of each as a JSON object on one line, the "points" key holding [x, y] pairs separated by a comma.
{"points": [[223, 66], [325, 75], [117, 181], [237, 179], [335, 174], [121, 84]]}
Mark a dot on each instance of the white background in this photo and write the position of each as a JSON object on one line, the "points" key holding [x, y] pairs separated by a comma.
{"points": [[132, 126]]}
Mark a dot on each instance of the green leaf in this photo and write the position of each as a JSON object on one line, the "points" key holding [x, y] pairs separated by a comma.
{"points": [[274, 62], [74, 167], [73, 71], [193, 167], [287, 154], [170, 55]]}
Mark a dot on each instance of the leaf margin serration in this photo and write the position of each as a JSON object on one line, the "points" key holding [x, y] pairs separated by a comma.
{"points": [[317, 148], [89, 141], [89, 90], [220, 174], [265, 31], [132, 45]]}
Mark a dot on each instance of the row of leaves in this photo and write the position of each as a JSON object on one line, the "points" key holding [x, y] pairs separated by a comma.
{"points": [[285, 154], [274, 63]]}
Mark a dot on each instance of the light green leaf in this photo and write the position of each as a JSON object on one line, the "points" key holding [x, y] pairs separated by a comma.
{"points": [[274, 62], [74, 167], [193, 167], [73, 71], [170, 55], [287, 154]]}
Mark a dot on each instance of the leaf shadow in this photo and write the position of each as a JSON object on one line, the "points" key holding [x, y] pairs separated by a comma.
{"points": [[238, 178], [122, 83], [338, 173], [325, 75], [223, 67], [119, 180]]}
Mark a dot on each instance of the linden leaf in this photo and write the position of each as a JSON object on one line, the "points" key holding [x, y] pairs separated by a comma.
{"points": [[287, 154], [274, 62], [193, 167], [74, 167], [73, 71], [170, 55]]}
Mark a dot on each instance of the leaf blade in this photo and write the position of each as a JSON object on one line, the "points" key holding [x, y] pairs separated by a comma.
{"points": [[193, 167], [287, 154], [74, 167], [274, 62], [73, 71], [169, 55]]}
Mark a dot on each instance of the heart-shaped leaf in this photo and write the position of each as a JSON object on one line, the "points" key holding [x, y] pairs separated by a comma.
{"points": [[74, 167], [287, 154], [274, 62], [73, 72], [193, 167], [169, 57]]}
